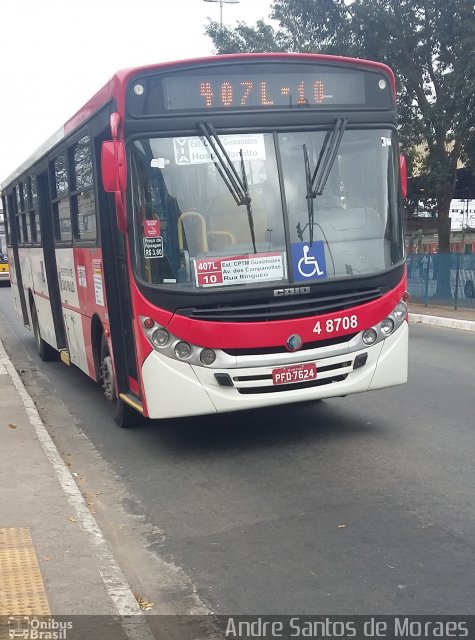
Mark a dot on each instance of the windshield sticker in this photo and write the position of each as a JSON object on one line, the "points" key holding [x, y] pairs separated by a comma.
{"points": [[308, 260], [263, 267], [153, 247], [151, 228], [197, 151], [159, 163]]}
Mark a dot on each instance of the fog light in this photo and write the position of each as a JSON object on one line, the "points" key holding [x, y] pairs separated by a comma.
{"points": [[400, 311], [224, 379], [207, 356], [370, 336], [360, 360], [160, 337], [182, 350], [387, 326]]}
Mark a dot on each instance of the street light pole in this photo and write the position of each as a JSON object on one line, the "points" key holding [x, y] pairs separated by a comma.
{"points": [[461, 255], [221, 2], [467, 193]]}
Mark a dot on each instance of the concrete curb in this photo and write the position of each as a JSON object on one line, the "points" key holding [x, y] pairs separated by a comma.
{"points": [[437, 321], [95, 548]]}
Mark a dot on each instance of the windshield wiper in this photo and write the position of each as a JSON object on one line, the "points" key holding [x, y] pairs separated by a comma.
{"points": [[237, 184], [316, 182]]}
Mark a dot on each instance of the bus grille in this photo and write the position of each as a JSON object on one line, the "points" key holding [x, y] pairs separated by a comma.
{"points": [[281, 308], [263, 351]]}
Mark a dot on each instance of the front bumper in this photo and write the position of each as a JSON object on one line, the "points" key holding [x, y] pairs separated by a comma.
{"points": [[175, 389]]}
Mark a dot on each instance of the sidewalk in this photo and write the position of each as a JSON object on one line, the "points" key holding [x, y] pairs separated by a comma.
{"points": [[54, 560], [442, 316]]}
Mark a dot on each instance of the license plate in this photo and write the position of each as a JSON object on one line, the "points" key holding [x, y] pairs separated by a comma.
{"points": [[296, 373]]}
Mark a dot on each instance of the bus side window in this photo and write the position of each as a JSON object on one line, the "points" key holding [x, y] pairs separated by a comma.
{"points": [[60, 199], [34, 214], [83, 204]]}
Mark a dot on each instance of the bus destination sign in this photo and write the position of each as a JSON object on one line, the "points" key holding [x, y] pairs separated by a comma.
{"points": [[259, 86]]}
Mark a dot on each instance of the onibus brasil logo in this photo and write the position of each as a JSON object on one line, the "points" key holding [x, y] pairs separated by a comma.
{"points": [[33, 628]]}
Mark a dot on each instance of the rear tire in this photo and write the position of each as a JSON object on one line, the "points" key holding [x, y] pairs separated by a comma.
{"points": [[46, 352], [124, 415]]}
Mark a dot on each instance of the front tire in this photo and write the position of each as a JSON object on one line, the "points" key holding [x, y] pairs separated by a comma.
{"points": [[124, 415]]}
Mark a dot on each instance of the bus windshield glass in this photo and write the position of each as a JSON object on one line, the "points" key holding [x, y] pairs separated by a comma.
{"points": [[191, 231]]}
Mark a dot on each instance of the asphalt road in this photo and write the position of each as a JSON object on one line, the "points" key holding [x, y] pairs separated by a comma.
{"points": [[361, 505]]}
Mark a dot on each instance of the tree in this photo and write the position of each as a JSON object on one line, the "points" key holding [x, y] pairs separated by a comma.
{"points": [[430, 45]]}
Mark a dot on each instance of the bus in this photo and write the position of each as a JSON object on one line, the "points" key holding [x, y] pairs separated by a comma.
{"points": [[4, 268], [219, 234]]}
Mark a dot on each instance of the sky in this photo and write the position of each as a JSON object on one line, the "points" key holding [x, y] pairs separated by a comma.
{"points": [[55, 55]]}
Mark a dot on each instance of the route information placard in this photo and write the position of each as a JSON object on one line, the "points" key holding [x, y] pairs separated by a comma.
{"points": [[262, 267]]}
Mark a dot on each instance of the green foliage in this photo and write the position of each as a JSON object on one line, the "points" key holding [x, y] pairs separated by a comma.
{"points": [[430, 45], [245, 39]]}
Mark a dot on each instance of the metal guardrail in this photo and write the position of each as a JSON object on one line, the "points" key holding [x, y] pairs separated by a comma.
{"points": [[443, 279]]}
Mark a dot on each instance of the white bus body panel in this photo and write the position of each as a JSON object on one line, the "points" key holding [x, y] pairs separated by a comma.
{"points": [[14, 286], [71, 308], [34, 281], [41, 296], [393, 361], [24, 258], [176, 389]]}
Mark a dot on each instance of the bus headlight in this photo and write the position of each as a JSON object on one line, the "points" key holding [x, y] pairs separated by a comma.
{"points": [[207, 356], [160, 337], [370, 336], [182, 350], [400, 311], [387, 326], [171, 346]]}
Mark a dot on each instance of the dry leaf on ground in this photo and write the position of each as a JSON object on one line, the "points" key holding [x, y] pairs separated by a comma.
{"points": [[143, 603]]}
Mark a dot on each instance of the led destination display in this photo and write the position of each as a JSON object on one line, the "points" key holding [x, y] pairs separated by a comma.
{"points": [[259, 86]]}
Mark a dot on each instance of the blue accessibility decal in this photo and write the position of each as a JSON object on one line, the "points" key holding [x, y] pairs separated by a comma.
{"points": [[308, 260]]}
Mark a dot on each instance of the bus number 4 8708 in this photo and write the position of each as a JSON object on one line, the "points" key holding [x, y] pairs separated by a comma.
{"points": [[332, 325]]}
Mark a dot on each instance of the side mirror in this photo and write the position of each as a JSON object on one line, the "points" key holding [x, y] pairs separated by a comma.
{"points": [[114, 176], [403, 174]]}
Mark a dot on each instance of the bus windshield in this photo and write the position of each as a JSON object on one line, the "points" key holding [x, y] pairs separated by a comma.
{"points": [[190, 229]]}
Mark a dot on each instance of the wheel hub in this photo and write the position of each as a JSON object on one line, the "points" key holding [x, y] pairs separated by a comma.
{"points": [[107, 374]]}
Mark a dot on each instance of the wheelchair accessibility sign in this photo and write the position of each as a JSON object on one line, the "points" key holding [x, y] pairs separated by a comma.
{"points": [[308, 260]]}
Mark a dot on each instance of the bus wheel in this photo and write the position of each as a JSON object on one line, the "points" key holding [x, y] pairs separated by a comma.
{"points": [[46, 352], [469, 289], [123, 414]]}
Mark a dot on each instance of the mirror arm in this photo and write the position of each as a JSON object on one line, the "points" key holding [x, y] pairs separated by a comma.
{"points": [[120, 212]]}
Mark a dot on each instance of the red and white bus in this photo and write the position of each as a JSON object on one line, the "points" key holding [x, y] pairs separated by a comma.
{"points": [[219, 234]]}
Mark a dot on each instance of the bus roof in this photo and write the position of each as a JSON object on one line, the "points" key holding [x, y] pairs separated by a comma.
{"points": [[115, 89]]}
